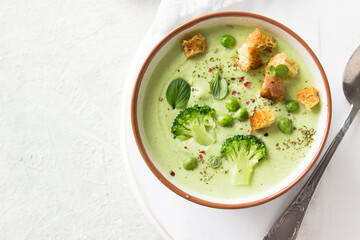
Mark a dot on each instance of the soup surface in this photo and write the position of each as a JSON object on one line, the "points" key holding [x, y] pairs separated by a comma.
{"points": [[284, 151]]}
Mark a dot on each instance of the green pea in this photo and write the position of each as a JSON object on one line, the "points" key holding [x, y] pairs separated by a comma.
{"points": [[291, 105], [190, 163], [232, 104], [225, 120], [227, 41], [241, 114], [285, 125]]}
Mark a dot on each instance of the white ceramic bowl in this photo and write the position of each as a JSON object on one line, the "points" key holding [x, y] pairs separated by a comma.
{"points": [[234, 18]]}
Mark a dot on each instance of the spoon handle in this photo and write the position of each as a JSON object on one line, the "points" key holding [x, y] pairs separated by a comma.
{"points": [[288, 224]]}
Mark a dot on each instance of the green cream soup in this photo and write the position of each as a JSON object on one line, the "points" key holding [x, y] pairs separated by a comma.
{"points": [[284, 151]]}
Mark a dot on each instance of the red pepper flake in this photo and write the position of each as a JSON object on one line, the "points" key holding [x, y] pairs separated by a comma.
{"points": [[251, 132], [241, 79], [233, 93], [247, 103], [202, 152], [201, 157], [186, 147], [254, 110], [172, 173], [247, 84], [210, 70]]}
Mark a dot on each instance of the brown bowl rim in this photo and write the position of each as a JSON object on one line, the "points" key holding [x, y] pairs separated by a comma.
{"points": [[135, 127]]}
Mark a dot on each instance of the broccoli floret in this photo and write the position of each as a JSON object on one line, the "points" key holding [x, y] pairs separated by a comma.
{"points": [[195, 122], [244, 152]]}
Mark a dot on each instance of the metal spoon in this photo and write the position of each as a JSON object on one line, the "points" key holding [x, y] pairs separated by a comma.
{"points": [[288, 224]]}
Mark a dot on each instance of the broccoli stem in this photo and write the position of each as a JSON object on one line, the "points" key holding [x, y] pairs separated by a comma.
{"points": [[241, 176], [202, 136], [242, 171]]}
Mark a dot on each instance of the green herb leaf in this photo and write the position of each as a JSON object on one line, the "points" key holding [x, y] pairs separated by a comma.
{"points": [[178, 93], [214, 161], [272, 70], [218, 86], [281, 70]]}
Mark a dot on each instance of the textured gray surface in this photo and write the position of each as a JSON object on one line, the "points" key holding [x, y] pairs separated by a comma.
{"points": [[62, 67]]}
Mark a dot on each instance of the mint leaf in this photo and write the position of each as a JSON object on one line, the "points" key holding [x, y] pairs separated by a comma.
{"points": [[214, 161], [178, 93], [281, 70], [272, 70], [218, 86]]}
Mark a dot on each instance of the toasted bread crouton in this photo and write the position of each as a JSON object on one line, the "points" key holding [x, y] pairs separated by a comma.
{"points": [[265, 43], [308, 96], [248, 58], [273, 88], [261, 119], [281, 58], [194, 45]]}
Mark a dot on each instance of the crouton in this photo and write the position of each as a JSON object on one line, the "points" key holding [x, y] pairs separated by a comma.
{"points": [[281, 58], [194, 45], [248, 58], [261, 119], [308, 96], [264, 43], [273, 88]]}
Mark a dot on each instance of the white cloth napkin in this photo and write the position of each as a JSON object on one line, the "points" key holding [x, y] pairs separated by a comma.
{"points": [[171, 14]]}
